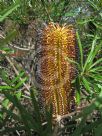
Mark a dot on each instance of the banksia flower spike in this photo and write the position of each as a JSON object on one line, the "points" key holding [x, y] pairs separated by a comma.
{"points": [[54, 73]]}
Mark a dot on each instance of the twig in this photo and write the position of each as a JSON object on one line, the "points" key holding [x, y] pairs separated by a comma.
{"points": [[69, 114], [57, 126], [17, 133], [16, 47], [22, 49], [84, 92], [59, 118]]}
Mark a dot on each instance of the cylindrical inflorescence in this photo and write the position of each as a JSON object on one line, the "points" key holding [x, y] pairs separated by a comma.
{"points": [[54, 73]]}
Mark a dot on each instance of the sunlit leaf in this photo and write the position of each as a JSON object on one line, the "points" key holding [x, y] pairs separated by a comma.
{"points": [[8, 11]]}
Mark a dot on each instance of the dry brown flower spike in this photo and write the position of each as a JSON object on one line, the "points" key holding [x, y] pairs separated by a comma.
{"points": [[54, 72]]}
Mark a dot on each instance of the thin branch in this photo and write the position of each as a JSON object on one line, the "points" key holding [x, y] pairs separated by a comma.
{"points": [[59, 118], [16, 47]]}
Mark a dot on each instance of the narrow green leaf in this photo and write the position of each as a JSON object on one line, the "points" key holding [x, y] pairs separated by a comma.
{"points": [[20, 83], [84, 21], [80, 48], [94, 50], [78, 97], [97, 62], [93, 4], [98, 129], [99, 26], [77, 84], [78, 131], [25, 116], [91, 126], [17, 78], [86, 84], [97, 77], [5, 103], [5, 77], [18, 94], [36, 111], [8, 38], [96, 69], [8, 11], [49, 119], [5, 87]]}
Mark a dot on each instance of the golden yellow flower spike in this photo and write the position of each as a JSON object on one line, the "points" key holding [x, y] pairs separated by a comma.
{"points": [[54, 73]]}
